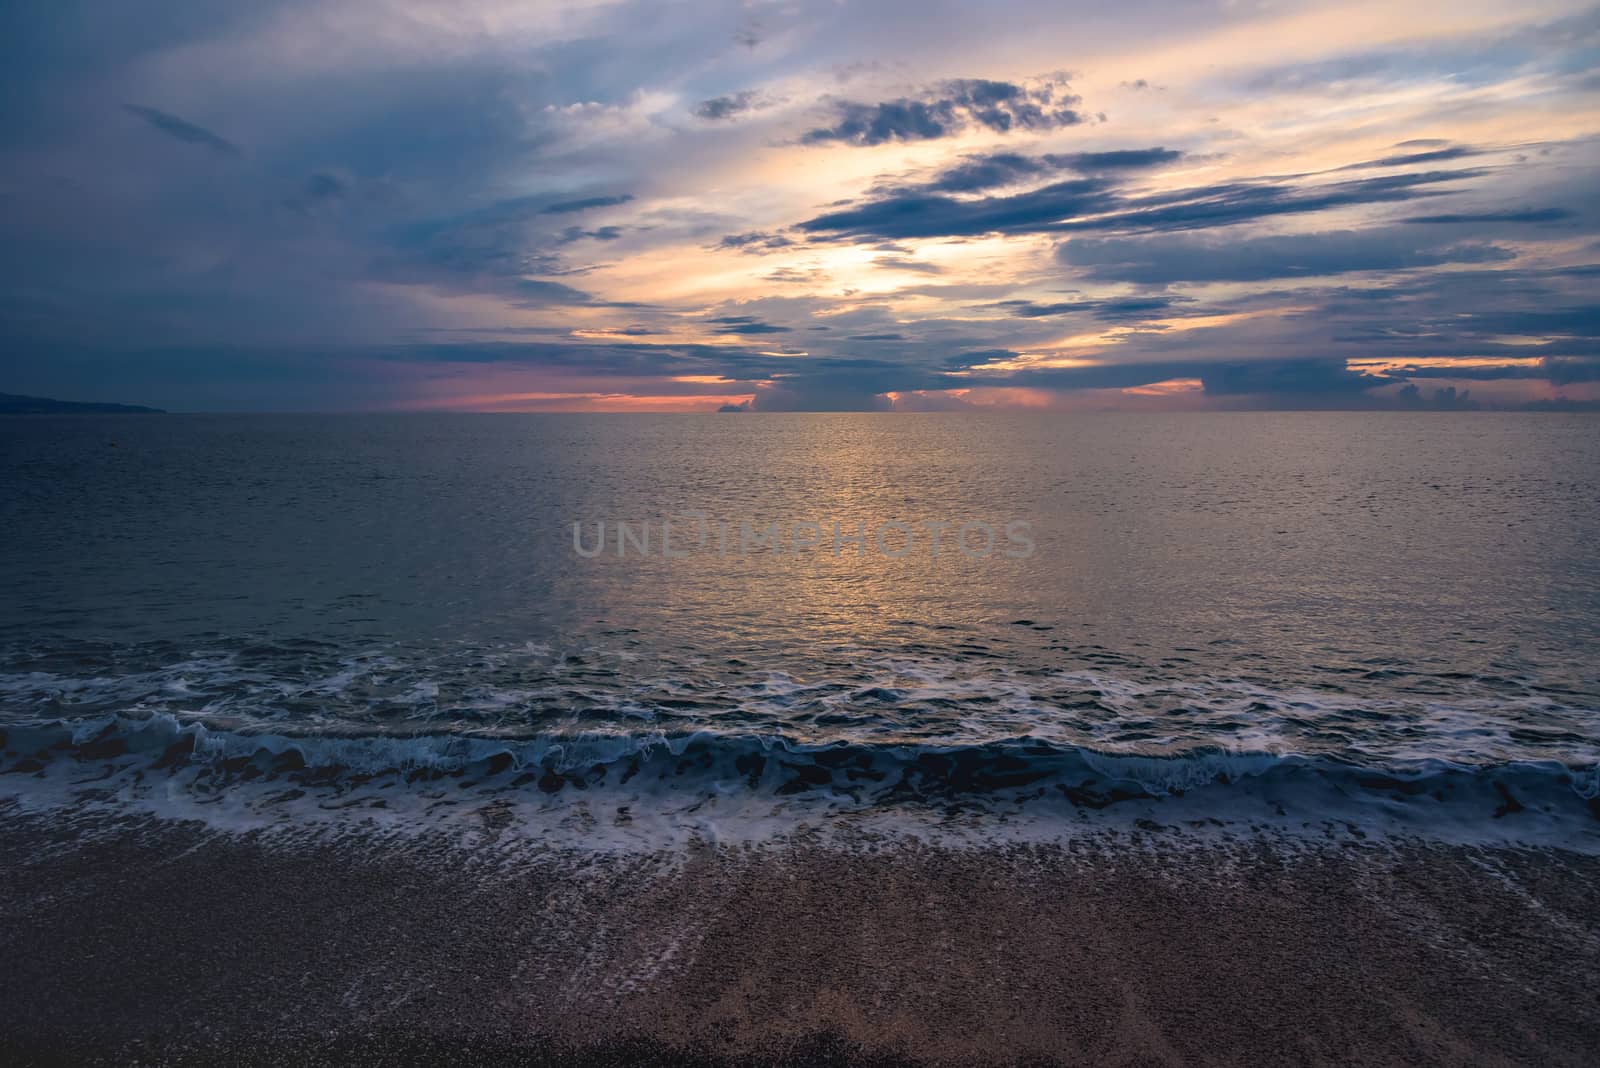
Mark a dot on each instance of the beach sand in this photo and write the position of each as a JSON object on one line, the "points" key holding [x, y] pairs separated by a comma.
{"points": [[145, 941]]}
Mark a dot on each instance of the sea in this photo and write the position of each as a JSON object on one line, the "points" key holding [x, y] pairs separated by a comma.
{"points": [[623, 631]]}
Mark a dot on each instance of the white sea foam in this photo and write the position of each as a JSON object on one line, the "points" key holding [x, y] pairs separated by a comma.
{"points": [[568, 738]]}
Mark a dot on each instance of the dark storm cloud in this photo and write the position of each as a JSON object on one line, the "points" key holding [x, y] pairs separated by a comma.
{"points": [[991, 170], [1195, 258], [726, 107], [1095, 203], [184, 130], [948, 109]]}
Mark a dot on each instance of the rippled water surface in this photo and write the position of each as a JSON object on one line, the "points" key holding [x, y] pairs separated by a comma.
{"points": [[1209, 597]]}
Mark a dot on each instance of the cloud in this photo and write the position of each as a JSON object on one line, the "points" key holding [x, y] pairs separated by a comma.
{"points": [[988, 171], [1563, 46], [914, 214], [949, 108], [1118, 159], [533, 293], [494, 248], [796, 275], [479, 173], [719, 108], [903, 263], [1309, 382], [1224, 205], [1574, 321], [324, 187], [1197, 258], [321, 191], [184, 130], [744, 324], [616, 359], [756, 241], [1562, 370], [1429, 155], [577, 233], [1096, 203], [1531, 215], [1296, 376], [991, 170], [1558, 370], [1446, 399], [839, 385], [1114, 309], [567, 207], [814, 396]]}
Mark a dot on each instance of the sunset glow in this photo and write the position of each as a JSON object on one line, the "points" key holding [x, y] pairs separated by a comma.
{"points": [[812, 206]]}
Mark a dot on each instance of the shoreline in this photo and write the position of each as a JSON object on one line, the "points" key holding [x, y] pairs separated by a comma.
{"points": [[164, 942]]}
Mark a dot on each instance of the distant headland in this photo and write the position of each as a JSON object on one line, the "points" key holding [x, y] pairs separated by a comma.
{"points": [[16, 404]]}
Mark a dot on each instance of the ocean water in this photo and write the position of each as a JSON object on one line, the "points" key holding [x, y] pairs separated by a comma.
{"points": [[1306, 619]]}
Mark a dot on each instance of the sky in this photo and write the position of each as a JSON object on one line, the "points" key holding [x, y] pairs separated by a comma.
{"points": [[800, 205]]}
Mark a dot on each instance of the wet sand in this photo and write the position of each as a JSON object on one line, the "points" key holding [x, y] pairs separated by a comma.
{"points": [[159, 942]]}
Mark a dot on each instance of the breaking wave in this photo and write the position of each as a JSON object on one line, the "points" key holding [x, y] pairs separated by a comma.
{"points": [[700, 764], [277, 731]]}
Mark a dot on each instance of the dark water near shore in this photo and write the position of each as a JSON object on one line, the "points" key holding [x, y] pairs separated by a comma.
{"points": [[1396, 602]]}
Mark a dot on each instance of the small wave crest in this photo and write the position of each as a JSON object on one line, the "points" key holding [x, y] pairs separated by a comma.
{"points": [[205, 758]]}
